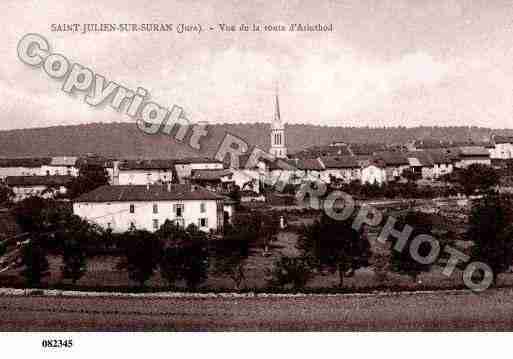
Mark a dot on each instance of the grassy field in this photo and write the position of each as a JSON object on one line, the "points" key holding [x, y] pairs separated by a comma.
{"points": [[102, 272]]}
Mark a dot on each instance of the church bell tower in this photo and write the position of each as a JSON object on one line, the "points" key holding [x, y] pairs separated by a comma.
{"points": [[278, 146]]}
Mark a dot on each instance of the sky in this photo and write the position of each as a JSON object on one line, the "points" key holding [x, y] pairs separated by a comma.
{"points": [[386, 62]]}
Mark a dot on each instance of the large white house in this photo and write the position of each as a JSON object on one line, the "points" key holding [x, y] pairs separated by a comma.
{"points": [[121, 208]]}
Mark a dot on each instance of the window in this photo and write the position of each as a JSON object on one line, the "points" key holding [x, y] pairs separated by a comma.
{"points": [[155, 208], [202, 207], [132, 208], [155, 224], [203, 222], [178, 210]]}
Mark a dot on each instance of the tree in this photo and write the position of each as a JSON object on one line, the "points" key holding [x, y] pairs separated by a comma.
{"points": [[90, 177], [33, 258], [476, 178], [402, 261], [194, 255], [6, 195], [231, 254], [291, 270], [491, 231], [74, 263], [142, 255], [29, 214], [185, 254], [334, 245]]}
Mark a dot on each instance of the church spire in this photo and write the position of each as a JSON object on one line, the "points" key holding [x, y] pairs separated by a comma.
{"points": [[277, 116], [278, 146]]}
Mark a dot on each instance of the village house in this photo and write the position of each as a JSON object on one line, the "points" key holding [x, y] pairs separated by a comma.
{"points": [[395, 163], [246, 176], [344, 168], [469, 155], [141, 172], [442, 162], [62, 165], [122, 208], [214, 180], [373, 173], [41, 186], [185, 166], [311, 167], [421, 164], [22, 166], [502, 147]]}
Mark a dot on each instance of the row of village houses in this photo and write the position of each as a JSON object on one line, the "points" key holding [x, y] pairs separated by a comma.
{"points": [[144, 193], [33, 176]]}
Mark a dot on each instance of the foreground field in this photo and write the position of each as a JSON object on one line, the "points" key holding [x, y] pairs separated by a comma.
{"points": [[441, 311]]}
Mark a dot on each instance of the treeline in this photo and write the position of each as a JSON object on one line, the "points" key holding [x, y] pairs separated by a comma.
{"points": [[125, 140]]}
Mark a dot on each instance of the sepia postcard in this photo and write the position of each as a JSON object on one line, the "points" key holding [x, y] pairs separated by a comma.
{"points": [[270, 166]]}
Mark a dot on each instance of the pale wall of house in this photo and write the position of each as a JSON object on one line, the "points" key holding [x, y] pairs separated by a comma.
{"points": [[502, 151], [465, 162], [119, 216], [59, 170], [21, 193], [373, 174], [142, 177], [19, 171], [345, 174], [441, 169], [243, 176]]}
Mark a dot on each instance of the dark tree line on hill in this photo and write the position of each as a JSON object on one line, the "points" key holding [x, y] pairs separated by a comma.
{"points": [[125, 140]]}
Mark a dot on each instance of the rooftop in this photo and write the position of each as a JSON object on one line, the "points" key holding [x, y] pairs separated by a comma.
{"points": [[474, 151], [340, 162], [24, 162], [210, 175], [63, 161], [131, 193], [28, 181], [153, 164]]}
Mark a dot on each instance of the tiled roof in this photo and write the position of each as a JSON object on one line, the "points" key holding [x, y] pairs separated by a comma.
{"points": [[311, 164], [28, 181], [438, 156], [153, 164], [281, 164], [63, 161], [319, 151], [392, 158], [366, 148], [24, 162], [189, 160], [474, 151], [210, 175], [502, 139], [166, 192], [340, 162], [422, 159]]}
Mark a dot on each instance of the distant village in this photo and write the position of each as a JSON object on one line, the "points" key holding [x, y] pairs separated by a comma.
{"points": [[143, 193]]}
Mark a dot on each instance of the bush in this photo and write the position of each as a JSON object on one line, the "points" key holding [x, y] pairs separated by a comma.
{"points": [[291, 271]]}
